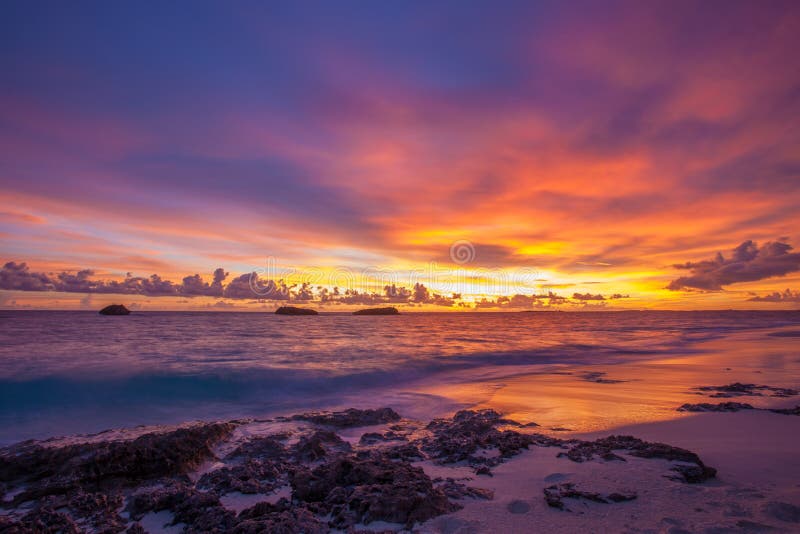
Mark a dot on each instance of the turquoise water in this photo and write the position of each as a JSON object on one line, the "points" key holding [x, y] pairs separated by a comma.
{"points": [[74, 372]]}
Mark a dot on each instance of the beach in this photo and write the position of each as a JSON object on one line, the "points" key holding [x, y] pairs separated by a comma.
{"points": [[510, 440]]}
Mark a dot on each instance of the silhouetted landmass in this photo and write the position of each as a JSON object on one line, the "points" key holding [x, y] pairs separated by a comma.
{"points": [[377, 311], [293, 310], [115, 309]]}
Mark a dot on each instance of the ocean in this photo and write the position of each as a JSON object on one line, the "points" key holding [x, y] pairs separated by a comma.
{"points": [[64, 372]]}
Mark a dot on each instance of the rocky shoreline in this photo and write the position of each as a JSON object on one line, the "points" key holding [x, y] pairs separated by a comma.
{"points": [[296, 473]]}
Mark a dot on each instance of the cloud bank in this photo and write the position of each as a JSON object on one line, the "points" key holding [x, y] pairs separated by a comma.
{"points": [[747, 263], [786, 296], [17, 276]]}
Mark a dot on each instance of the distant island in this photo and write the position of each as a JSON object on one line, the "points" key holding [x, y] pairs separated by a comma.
{"points": [[293, 310], [377, 311], [115, 309]]}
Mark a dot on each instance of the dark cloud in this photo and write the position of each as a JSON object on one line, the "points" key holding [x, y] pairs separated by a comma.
{"points": [[392, 294], [787, 296], [250, 287], [548, 300], [748, 263], [18, 276], [587, 296], [195, 286]]}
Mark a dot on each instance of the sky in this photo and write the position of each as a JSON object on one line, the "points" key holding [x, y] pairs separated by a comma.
{"points": [[433, 155]]}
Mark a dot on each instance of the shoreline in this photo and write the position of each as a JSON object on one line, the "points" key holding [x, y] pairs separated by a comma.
{"points": [[478, 470], [579, 396]]}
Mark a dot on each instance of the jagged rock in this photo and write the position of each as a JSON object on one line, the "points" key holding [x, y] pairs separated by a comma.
{"points": [[200, 511], [81, 486], [293, 310], [459, 438], [457, 490], [377, 311], [115, 309], [100, 508], [252, 476], [371, 438], [361, 490], [57, 470], [693, 474], [318, 445], [351, 417], [279, 518], [721, 407], [554, 495], [41, 520], [263, 447], [738, 389], [406, 452], [605, 447]]}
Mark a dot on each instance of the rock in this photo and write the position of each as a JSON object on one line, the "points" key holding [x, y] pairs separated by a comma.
{"points": [[335, 485], [457, 490], [361, 490], [318, 445], [351, 417], [721, 407], [459, 438], [693, 474], [377, 311], [250, 477], [371, 438], [554, 495], [696, 471], [406, 452], [56, 470], [200, 511], [40, 520], [279, 518], [293, 310], [262, 447], [738, 389], [115, 309]]}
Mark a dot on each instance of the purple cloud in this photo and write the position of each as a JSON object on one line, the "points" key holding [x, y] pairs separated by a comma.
{"points": [[18, 276], [787, 296], [587, 296], [748, 263]]}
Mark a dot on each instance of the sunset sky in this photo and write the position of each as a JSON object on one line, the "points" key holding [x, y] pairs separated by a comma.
{"points": [[531, 155]]}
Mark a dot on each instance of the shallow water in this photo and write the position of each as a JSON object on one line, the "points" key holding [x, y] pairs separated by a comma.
{"points": [[71, 372]]}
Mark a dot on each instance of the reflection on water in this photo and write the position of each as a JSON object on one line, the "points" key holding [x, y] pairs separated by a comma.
{"points": [[78, 371]]}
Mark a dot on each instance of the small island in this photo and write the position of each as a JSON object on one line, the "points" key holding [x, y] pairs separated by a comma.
{"points": [[377, 311], [115, 309], [293, 310]]}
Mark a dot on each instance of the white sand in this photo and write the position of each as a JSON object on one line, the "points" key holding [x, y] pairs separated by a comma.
{"points": [[755, 453]]}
